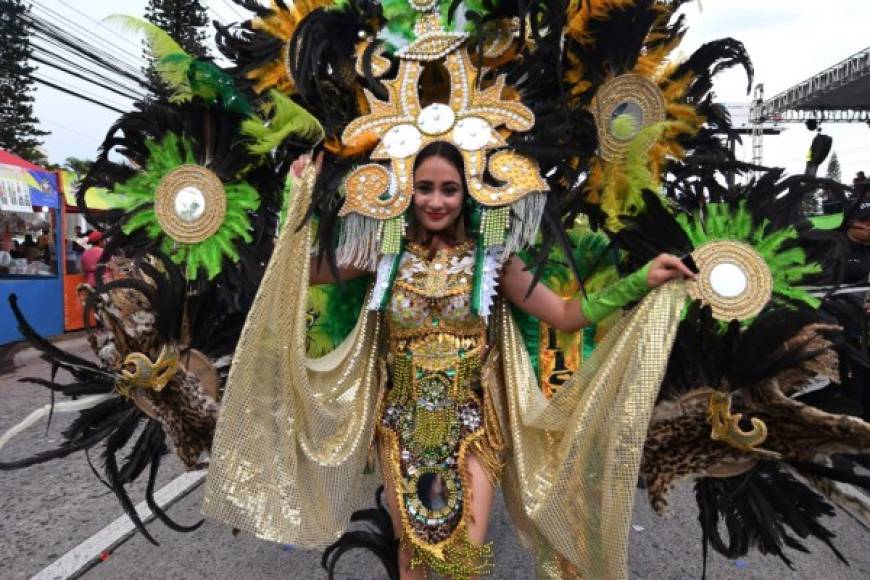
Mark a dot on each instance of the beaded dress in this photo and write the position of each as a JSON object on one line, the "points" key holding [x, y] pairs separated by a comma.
{"points": [[433, 413]]}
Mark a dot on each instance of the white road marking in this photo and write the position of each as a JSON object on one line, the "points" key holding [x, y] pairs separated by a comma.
{"points": [[82, 557]]}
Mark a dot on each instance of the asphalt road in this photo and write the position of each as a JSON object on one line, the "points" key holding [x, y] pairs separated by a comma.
{"points": [[47, 510]]}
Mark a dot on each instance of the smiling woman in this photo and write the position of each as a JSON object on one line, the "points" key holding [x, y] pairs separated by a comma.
{"points": [[439, 194]]}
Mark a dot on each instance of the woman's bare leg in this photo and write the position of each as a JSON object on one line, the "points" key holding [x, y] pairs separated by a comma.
{"points": [[405, 571], [482, 493]]}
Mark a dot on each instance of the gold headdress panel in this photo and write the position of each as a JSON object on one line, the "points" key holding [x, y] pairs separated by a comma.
{"points": [[475, 120]]}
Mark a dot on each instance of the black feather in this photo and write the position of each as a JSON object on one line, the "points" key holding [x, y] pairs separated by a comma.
{"points": [[378, 538]]}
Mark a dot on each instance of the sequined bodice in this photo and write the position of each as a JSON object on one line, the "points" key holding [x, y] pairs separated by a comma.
{"points": [[431, 299]]}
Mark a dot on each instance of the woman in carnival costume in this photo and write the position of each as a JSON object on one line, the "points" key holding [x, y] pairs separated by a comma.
{"points": [[434, 422], [456, 146]]}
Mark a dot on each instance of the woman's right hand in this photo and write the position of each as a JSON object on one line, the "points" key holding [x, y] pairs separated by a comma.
{"points": [[299, 164]]}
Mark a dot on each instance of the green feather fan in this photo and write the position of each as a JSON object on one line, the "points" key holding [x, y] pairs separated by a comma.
{"points": [[786, 260], [138, 199]]}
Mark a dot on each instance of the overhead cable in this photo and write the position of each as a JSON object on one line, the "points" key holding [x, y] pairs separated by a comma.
{"points": [[58, 15], [74, 94]]}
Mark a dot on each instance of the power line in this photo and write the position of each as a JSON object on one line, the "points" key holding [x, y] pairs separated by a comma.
{"points": [[100, 71], [100, 24], [92, 81], [84, 50], [90, 138], [108, 51], [217, 16], [74, 94], [100, 97]]}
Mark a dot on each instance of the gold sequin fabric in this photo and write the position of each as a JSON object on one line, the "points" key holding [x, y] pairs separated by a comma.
{"points": [[570, 480], [433, 415], [294, 433]]}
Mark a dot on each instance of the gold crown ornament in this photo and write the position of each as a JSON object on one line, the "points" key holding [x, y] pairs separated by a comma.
{"points": [[475, 120]]}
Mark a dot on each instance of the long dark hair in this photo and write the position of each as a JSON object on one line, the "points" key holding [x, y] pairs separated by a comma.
{"points": [[451, 154]]}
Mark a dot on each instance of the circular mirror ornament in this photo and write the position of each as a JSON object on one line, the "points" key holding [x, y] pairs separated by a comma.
{"points": [[190, 204], [622, 108], [733, 279], [728, 280], [626, 121]]}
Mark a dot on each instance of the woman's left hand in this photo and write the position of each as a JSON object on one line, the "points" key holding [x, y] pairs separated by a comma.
{"points": [[666, 267]]}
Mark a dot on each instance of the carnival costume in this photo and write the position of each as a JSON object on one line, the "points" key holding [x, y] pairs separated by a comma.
{"points": [[558, 109]]}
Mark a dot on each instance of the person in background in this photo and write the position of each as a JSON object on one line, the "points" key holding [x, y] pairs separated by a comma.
{"points": [[860, 185], [78, 241], [44, 239], [857, 228], [45, 243], [91, 258], [30, 250]]}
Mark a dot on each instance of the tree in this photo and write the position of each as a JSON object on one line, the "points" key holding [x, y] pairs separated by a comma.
{"points": [[19, 132], [78, 166], [185, 21], [834, 167]]}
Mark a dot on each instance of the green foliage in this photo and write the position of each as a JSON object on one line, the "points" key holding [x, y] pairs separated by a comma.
{"points": [[78, 166], [834, 170]]}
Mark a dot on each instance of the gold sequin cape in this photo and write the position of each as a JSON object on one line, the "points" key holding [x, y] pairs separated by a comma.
{"points": [[295, 434]]}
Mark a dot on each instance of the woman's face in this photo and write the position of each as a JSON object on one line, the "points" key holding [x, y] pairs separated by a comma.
{"points": [[438, 194]]}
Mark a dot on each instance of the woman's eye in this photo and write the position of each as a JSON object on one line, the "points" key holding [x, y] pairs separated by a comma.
{"points": [[450, 190], [423, 188]]}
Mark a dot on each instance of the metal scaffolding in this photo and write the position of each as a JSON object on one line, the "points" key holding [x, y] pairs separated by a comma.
{"points": [[838, 94], [843, 89]]}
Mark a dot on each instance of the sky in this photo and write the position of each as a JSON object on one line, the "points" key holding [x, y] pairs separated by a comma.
{"points": [[788, 40]]}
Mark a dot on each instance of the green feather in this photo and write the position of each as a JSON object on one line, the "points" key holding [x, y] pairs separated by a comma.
{"points": [[636, 168], [624, 127], [288, 120], [186, 75], [596, 268], [138, 200], [335, 311], [171, 61]]}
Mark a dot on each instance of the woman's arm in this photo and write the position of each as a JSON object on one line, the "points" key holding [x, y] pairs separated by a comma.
{"points": [[319, 273], [568, 315]]}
